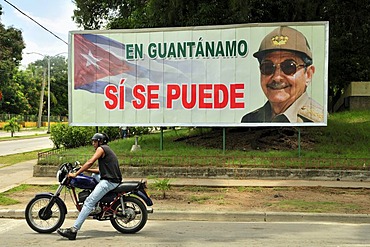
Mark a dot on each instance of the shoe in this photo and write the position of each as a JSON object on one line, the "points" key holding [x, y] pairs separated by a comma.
{"points": [[67, 233]]}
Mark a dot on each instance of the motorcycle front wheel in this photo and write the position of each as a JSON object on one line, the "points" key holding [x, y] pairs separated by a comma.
{"points": [[41, 221], [133, 219]]}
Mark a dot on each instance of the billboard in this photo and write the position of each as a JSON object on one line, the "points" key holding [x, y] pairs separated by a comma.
{"points": [[235, 75]]}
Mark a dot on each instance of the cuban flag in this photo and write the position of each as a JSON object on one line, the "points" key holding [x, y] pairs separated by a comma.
{"points": [[99, 61], [94, 64]]}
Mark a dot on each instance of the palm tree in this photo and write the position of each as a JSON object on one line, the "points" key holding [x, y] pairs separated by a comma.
{"points": [[12, 126]]}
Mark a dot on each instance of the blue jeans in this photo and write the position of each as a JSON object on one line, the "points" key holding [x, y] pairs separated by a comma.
{"points": [[102, 188]]}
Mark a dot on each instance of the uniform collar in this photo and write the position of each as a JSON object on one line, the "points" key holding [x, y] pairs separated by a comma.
{"points": [[290, 115]]}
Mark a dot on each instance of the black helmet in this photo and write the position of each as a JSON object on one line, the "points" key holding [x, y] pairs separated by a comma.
{"points": [[101, 138]]}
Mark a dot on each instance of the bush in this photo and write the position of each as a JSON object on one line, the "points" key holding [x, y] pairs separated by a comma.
{"points": [[112, 132], [71, 137], [139, 131]]}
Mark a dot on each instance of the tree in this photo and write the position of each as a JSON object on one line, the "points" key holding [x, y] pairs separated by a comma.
{"points": [[28, 92], [348, 49], [11, 46], [12, 126], [58, 84]]}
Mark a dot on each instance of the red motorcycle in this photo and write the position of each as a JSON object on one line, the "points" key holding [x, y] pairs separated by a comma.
{"points": [[127, 206]]}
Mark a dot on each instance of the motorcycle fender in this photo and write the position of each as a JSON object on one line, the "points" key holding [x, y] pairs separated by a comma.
{"points": [[57, 198], [144, 197]]}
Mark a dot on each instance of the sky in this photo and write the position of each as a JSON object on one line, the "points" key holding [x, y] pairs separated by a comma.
{"points": [[55, 15]]}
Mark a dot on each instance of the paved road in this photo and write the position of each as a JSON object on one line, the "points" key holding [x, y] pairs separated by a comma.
{"points": [[25, 145], [194, 234]]}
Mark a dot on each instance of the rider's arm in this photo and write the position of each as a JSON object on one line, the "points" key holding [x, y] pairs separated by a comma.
{"points": [[98, 153], [93, 170]]}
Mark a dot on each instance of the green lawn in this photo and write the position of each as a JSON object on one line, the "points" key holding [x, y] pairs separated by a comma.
{"points": [[343, 144]]}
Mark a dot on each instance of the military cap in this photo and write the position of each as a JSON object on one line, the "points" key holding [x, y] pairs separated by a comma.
{"points": [[284, 38]]}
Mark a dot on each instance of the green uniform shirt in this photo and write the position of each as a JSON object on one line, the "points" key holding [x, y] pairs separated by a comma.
{"points": [[304, 109]]}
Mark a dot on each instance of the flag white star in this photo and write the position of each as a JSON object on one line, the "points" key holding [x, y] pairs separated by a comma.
{"points": [[91, 60]]}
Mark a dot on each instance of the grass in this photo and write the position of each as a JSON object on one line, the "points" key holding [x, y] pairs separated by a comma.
{"points": [[5, 200], [9, 138], [201, 199], [347, 135], [17, 137], [314, 207], [17, 158], [343, 144], [7, 197], [250, 189]]}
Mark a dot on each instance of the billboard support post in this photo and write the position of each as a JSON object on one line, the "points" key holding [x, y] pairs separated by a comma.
{"points": [[299, 142], [223, 139], [161, 140]]}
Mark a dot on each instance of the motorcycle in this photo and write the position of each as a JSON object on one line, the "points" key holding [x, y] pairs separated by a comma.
{"points": [[127, 206]]}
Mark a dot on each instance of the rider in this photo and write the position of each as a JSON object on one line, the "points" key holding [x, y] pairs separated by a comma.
{"points": [[110, 177]]}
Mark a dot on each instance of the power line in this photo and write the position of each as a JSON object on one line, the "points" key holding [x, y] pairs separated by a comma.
{"points": [[35, 21]]}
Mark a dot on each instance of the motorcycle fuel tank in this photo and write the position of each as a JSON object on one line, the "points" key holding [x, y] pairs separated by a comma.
{"points": [[84, 182]]}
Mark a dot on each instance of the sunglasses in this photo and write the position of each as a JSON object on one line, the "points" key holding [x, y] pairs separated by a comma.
{"points": [[289, 67]]}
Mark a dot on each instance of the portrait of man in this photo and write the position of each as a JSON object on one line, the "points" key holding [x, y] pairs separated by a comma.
{"points": [[286, 69]]}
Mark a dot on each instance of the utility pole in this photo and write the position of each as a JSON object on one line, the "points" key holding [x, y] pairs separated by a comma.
{"points": [[41, 99], [48, 94]]}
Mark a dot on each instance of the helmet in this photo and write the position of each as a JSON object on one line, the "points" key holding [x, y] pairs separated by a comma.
{"points": [[101, 138]]}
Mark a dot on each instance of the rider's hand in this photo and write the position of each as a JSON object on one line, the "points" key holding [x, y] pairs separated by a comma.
{"points": [[72, 175]]}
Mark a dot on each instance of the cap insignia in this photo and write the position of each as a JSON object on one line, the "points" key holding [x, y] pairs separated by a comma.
{"points": [[279, 40]]}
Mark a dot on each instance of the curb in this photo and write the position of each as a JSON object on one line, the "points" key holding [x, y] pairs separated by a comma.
{"points": [[44, 170], [233, 217]]}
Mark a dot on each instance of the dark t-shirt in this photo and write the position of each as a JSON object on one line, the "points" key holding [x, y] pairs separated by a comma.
{"points": [[109, 166]]}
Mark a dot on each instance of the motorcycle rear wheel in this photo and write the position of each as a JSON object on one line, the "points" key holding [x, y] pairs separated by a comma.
{"points": [[134, 218], [51, 221]]}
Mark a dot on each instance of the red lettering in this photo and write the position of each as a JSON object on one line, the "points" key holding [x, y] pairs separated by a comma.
{"points": [[207, 96], [152, 95], [110, 92], [138, 92], [203, 95], [218, 89], [173, 93], [193, 96], [145, 96], [234, 95], [116, 96], [122, 94]]}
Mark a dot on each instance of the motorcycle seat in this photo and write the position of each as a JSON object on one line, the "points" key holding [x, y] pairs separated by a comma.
{"points": [[126, 186]]}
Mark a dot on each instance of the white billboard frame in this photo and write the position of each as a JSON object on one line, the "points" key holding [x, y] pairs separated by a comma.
{"points": [[137, 82]]}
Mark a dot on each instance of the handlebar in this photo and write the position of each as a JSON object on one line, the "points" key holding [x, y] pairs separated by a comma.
{"points": [[72, 167]]}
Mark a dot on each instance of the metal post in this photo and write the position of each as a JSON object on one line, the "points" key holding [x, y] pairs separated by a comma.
{"points": [[48, 95], [299, 142], [41, 99], [223, 139], [161, 140]]}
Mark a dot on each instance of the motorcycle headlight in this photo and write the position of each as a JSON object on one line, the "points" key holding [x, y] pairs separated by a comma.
{"points": [[62, 173], [60, 176]]}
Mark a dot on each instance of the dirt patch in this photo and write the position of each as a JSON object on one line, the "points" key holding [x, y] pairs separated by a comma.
{"points": [[278, 199], [253, 139], [243, 199]]}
